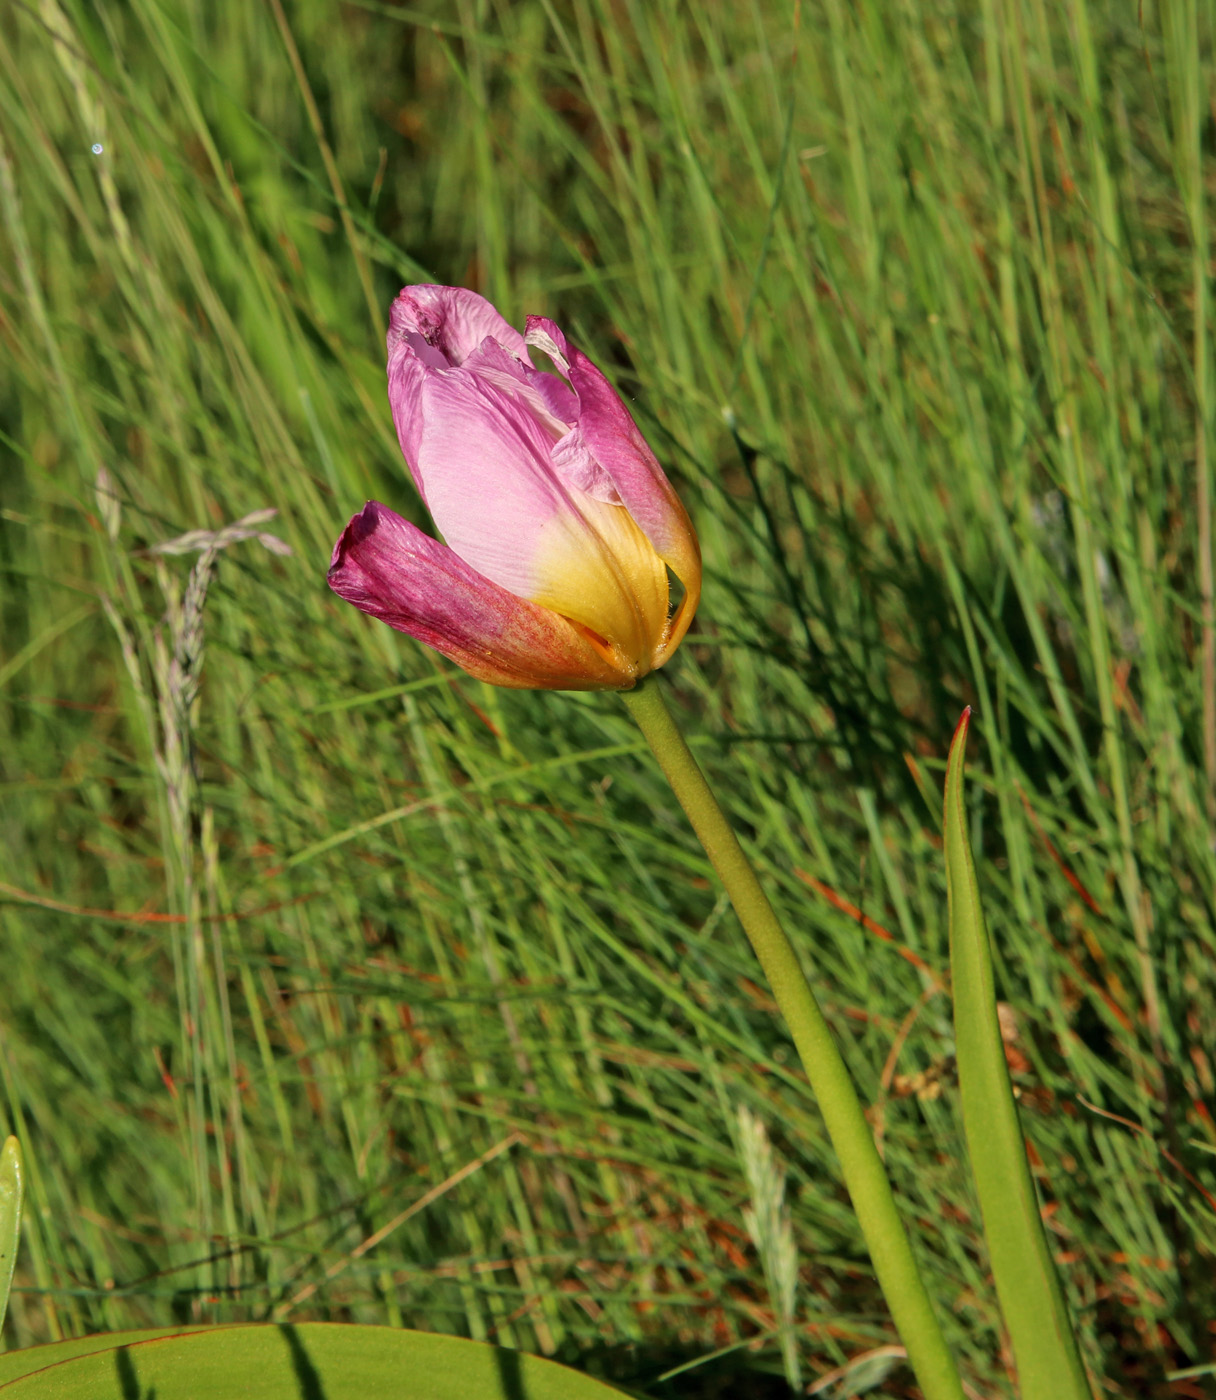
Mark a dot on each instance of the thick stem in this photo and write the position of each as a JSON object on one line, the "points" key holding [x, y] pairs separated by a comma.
{"points": [[860, 1164]]}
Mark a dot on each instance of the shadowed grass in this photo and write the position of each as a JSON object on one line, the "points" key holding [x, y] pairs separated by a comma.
{"points": [[912, 302]]}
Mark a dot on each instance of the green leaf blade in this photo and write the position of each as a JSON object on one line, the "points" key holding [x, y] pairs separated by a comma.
{"points": [[1049, 1365], [12, 1189], [15, 1364], [307, 1361]]}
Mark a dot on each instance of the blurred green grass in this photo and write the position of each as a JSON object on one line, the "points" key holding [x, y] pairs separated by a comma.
{"points": [[912, 301]]}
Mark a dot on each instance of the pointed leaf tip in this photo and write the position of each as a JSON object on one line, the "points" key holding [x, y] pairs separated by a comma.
{"points": [[955, 762], [1048, 1361]]}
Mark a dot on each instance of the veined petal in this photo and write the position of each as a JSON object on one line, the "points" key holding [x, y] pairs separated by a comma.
{"points": [[407, 373], [607, 432], [608, 577], [413, 362], [483, 459], [606, 435], [388, 568], [552, 401], [474, 421]]}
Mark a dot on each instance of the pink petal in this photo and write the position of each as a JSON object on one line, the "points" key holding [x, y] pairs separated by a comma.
{"points": [[388, 568], [576, 466], [407, 373], [451, 320], [413, 359], [545, 394], [606, 436], [484, 460], [481, 455]]}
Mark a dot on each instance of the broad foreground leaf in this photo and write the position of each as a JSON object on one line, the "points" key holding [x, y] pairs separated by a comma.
{"points": [[311, 1361], [12, 1182], [1045, 1350], [15, 1364]]}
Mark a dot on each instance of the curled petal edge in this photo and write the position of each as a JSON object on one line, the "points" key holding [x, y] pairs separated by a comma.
{"points": [[453, 320]]}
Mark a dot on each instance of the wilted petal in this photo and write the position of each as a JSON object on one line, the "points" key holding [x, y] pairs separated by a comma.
{"points": [[481, 456], [607, 436], [391, 570], [554, 402], [576, 466], [607, 433], [483, 461], [431, 331], [452, 320]]}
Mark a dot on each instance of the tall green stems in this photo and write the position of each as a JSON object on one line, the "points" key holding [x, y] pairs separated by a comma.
{"points": [[860, 1163]]}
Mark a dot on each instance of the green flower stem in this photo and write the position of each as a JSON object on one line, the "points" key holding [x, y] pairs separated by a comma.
{"points": [[860, 1164]]}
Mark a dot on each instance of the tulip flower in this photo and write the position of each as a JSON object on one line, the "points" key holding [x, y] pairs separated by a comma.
{"points": [[558, 523]]}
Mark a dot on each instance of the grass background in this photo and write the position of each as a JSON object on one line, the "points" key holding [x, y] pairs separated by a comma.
{"points": [[912, 300]]}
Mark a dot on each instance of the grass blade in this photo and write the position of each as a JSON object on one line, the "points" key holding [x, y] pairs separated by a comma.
{"points": [[12, 1180], [1045, 1350]]}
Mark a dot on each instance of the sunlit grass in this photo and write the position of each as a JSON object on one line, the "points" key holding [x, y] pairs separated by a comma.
{"points": [[911, 301]]}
